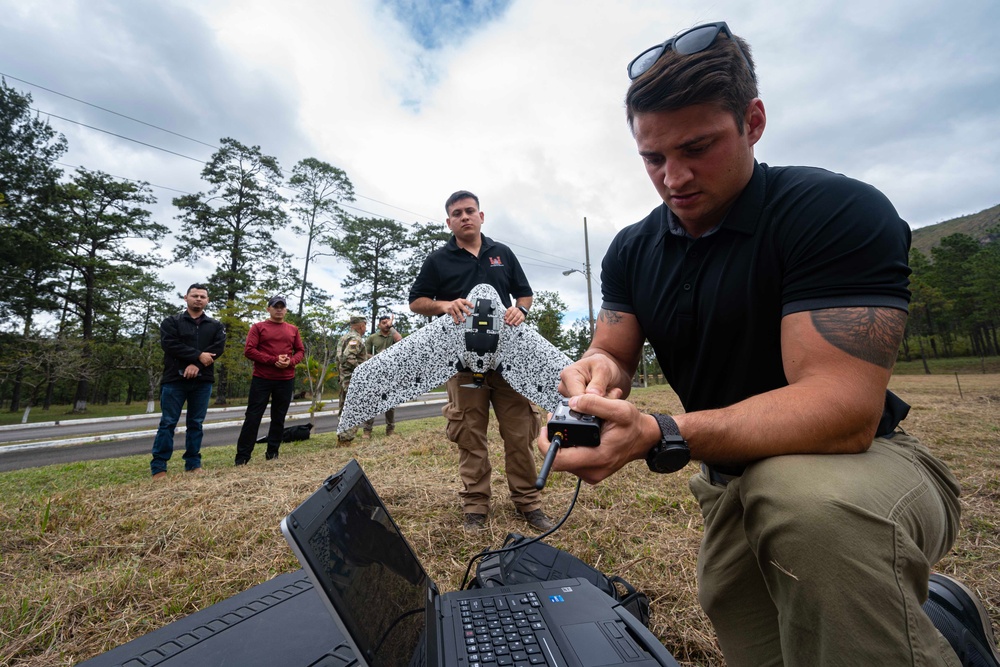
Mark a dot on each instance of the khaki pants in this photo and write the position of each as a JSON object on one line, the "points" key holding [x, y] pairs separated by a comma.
{"points": [[813, 560], [349, 434], [468, 413], [390, 422]]}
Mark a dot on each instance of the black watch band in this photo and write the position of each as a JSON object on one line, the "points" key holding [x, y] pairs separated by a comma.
{"points": [[523, 310], [671, 453]]}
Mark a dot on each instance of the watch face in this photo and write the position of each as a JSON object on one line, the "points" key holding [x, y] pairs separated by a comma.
{"points": [[669, 456]]}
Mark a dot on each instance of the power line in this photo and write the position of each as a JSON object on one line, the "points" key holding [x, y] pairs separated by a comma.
{"points": [[126, 178], [120, 136], [419, 215], [89, 104], [200, 161]]}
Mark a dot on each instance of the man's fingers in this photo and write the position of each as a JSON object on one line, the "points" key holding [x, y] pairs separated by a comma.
{"points": [[573, 381]]}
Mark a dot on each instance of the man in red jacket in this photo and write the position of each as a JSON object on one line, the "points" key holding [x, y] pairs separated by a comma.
{"points": [[275, 347]]}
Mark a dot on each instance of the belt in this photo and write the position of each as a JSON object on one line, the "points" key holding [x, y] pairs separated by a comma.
{"points": [[715, 477]]}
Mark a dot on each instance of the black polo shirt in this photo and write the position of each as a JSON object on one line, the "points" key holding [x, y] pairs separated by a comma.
{"points": [[796, 239], [451, 272]]}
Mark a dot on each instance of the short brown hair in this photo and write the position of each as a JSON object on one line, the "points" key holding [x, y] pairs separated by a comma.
{"points": [[455, 196], [718, 75]]}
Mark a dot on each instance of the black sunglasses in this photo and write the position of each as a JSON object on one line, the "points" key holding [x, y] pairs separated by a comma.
{"points": [[689, 42]]}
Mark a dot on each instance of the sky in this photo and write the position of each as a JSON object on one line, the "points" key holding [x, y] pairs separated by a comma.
{"points": [[519, 101]]}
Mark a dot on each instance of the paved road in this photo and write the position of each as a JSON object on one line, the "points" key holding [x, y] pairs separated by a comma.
{"points": [[222, 433], [66, 428]]}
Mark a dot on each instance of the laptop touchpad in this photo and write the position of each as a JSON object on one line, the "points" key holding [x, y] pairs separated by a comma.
{"points": [[591, 646]]}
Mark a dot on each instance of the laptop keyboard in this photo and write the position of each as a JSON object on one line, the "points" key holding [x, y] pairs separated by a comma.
{"points": [[500, 631]]}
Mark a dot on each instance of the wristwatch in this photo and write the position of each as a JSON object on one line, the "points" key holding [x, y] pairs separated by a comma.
{"points": [[671, 453], [523, 310]]}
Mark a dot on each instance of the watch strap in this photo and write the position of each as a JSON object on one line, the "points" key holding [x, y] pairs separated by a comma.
{"points": [[671, 452], [667, 424], [523, 310]]}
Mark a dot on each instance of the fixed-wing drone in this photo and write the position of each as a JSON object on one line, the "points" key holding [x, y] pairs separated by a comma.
{"points": [[433, 354]]}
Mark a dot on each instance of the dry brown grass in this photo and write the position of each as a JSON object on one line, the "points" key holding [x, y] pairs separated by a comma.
{"points": [[92, 565]]}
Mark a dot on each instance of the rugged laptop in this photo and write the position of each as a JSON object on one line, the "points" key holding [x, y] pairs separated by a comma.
{"points": [[393, 615]]}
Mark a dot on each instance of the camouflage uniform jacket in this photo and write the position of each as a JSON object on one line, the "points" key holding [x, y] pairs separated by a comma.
{"points": [[350, 354]]}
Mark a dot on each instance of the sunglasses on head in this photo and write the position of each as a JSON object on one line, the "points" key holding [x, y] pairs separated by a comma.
{"points": [[694, 40]]}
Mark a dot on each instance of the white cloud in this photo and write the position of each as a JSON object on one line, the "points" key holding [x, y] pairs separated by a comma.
{"points": [[525, 110]]}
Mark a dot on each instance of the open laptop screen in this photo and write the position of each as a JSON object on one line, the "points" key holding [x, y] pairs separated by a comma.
{"points": [[371, 575]]}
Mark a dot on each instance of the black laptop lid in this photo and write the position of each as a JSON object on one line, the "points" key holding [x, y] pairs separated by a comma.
{"points": [[372, 577]]}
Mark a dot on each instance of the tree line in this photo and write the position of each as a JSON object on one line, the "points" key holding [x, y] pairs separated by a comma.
{"points": [[955, 304], [79, 265]]}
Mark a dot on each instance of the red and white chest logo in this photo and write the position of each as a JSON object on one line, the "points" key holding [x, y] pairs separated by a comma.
{"points": [[495, 261]]}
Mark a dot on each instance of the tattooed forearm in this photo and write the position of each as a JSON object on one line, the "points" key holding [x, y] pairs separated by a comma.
{"points": [[870, 334], [609, 316]]}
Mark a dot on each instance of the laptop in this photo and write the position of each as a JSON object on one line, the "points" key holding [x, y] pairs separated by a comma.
{"points": [[392, 614]]}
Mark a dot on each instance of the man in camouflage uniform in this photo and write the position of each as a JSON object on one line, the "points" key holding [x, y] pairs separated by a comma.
{"points": [[380, 341], [351, 353]]}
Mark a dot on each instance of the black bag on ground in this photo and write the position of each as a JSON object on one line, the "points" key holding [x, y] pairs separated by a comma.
{"points": [[297, 432], [539, 561]]}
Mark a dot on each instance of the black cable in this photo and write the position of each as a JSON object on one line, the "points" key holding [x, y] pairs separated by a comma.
{"points": [[519, 545]]}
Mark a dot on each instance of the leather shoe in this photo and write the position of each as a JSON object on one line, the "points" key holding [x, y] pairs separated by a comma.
{"points": [[538, 520], [474, 522]]}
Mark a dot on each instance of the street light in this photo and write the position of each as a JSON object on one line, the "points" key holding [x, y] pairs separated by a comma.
{"points": [[586, 274]]}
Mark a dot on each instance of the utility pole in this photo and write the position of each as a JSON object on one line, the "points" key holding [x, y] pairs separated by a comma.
{"points": [[586, 273], [590, 296]]}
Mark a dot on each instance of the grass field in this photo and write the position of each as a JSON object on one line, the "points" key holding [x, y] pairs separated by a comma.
{"points": [[94, 554], [961, 365]]}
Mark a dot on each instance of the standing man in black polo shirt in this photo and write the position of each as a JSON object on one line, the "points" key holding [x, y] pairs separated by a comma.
{"points": [[445, 279], [775, 299]]}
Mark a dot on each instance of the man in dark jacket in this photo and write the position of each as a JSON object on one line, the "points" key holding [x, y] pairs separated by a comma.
{"points": [[191, 342]]}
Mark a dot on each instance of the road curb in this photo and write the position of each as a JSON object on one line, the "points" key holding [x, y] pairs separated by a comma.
{"points": [[97, 420], [128, 435]]}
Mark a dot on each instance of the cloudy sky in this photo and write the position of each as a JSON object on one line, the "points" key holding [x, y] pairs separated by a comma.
{"points": [[519, 101]]}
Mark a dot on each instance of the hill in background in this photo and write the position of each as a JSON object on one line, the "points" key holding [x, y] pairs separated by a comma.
{"points": [[975, 225]]}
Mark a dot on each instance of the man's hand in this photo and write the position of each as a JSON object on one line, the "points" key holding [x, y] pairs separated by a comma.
{"points": [[458, 309], [283, 361], [206, 359], [595, 374], [626, 436], [513, 316], [192, 371]]}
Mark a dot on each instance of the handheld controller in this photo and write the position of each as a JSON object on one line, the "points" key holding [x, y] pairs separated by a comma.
{"points": [[568, 428]]}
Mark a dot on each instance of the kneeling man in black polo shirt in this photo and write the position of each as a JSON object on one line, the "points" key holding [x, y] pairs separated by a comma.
{"points": [[775, 299], [445, 279]]}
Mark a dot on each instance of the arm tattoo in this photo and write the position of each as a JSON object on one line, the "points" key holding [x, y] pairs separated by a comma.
{"points": [[870, 334], [609, 316]]}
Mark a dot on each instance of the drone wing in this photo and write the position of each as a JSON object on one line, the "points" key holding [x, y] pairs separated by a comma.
{"points": [[433, 354], [420, 362], [531, 365]]}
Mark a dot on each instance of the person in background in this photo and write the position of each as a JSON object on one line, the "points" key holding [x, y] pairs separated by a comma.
{"points": [[351, 353], [275, 348], [380, 341], [191, 342]]}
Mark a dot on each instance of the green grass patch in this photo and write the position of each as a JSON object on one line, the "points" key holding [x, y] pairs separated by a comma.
{"points": [[960, 365]]}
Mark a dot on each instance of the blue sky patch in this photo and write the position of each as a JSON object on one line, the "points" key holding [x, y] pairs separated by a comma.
{"points": [[431, 23]]}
